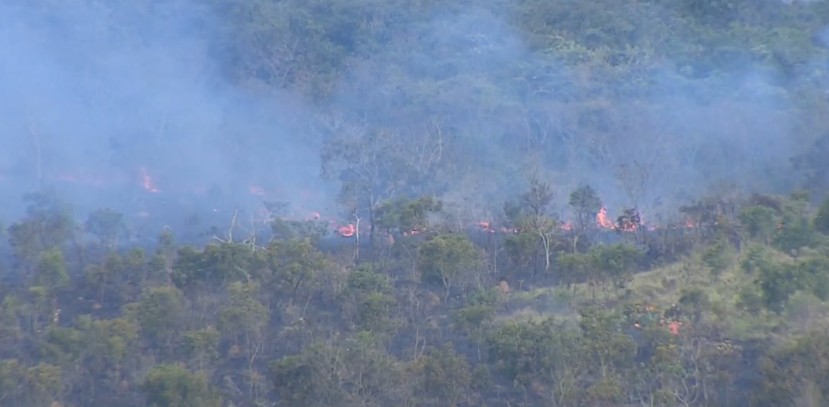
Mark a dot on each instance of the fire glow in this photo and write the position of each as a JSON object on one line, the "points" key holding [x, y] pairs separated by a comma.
{"points": [[147, 181]]}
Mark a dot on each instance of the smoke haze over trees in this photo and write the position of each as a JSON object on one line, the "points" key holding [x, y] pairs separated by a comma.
{"points": [[360, 202]]}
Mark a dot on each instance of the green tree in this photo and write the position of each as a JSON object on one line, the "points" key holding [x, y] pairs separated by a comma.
{"points": [[244, 320], [201, 347], [531, 216], [796, 372], [586, 204], [369, 301], [107, 225], [821, 221], [173, 386], [48, 224], [294, 263], [444, 258], [445, 377], [759, 222], [407, 215], [161, 315], [616, 262]]}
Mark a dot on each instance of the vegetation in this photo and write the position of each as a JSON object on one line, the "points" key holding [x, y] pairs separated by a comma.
{"points": [[433, 298]]}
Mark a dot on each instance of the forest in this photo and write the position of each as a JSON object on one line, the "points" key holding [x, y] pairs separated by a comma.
{"points": [[216, 203]]}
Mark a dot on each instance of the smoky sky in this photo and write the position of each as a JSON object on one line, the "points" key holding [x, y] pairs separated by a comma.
{"points": [[123, 104], [659, 136], [132, 98]]}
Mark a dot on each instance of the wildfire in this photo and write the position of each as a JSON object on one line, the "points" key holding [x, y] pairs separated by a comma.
{"points": [[603, 221], [147, 181], [347, 230], [486, 226]]}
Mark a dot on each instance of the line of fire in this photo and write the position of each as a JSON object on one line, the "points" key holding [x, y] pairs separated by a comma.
{"points": [[628, 221]]}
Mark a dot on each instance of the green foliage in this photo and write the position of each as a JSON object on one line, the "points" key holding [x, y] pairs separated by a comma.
{"points": [[48, 225], [796, 230], [777, 280], [796, 372], [243, 318], [173, 386], [160, 314], [586, 204], [405, 215], [821, 221], [759, 222], [107, 225], [369, 297], [299, 230], [202, 346], [51, 270], [293, 263], [446, 377], [214, 266], [617, 262], [445, 257], [357, 372], [718, 257], [422, 103]]}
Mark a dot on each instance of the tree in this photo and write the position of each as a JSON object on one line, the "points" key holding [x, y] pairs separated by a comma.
{"points": [[48, 224], [369, 301], [407, 215], [107, 225], [374, 165], [759, 222], [531, 216], [586, 203], [546, 358], [293, 263], [174, 386], [445, 377], [355, 373], [202, 347], [821, 221], [160, 314], [444, 258], [795, 373], [616, 262], [244, 320]]}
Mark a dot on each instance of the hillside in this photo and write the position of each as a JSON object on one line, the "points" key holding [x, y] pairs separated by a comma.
{"points": [[226, 203]]}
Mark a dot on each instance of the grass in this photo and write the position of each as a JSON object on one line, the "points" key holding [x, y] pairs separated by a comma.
{"points": [[662, 287]]}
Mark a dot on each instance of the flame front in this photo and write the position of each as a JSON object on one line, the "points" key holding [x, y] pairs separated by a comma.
{"points": [[603, 221]]}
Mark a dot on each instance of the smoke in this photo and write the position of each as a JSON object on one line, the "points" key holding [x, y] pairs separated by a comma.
{"points": [[644, 131], [130, 105], [123, 105]]}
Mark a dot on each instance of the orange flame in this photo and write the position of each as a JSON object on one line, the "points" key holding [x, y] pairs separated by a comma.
{"points": [[347, 230], [486, 226], [603, 221]]}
